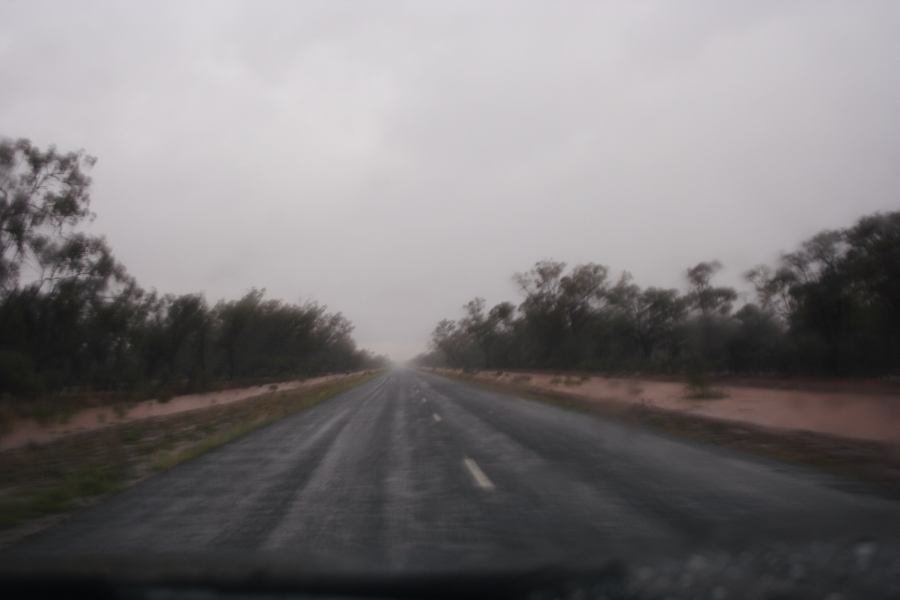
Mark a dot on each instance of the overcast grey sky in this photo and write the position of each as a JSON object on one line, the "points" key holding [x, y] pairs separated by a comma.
{"points": [[394, 159]]}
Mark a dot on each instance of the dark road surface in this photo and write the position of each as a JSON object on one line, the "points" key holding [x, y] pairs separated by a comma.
{"points": [[415, 471]]}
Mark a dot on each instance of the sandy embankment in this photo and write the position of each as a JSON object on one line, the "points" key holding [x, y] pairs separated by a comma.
{"points": [[864, 415], [29, 431]]}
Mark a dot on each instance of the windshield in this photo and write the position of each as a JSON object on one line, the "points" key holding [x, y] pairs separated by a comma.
{"points": [[451, 292]]}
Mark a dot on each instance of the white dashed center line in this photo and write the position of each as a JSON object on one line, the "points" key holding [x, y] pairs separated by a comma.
{"points": [[481, 480], [436, 417]]}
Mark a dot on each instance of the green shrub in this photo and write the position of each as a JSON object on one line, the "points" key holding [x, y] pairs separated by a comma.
{"points": [[699, 387]]}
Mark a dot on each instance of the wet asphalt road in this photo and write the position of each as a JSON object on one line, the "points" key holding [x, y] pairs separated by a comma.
{"points": [[415, 471]]}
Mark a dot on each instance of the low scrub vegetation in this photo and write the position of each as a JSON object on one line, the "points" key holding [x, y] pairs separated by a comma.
{"points": [[699, 386]]}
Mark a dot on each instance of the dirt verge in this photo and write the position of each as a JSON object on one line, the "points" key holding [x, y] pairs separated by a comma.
{"points": [[73, 417], [871, 413]]}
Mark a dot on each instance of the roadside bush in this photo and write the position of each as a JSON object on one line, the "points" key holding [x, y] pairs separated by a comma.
{"points": [[700, 387], [17, 375]]}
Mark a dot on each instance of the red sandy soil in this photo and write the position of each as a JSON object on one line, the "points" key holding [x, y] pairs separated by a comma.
{"points": [[871, 413], [29, 431]]}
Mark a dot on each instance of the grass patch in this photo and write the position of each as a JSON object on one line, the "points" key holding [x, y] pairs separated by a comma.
{"points": [[205, 444], [60, 496]]}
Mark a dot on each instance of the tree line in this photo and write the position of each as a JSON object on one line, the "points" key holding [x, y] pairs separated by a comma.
{"points": [[72, 317], [830, 307]]}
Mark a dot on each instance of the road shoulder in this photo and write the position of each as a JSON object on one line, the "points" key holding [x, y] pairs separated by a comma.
{"points": [[867, 466]]}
